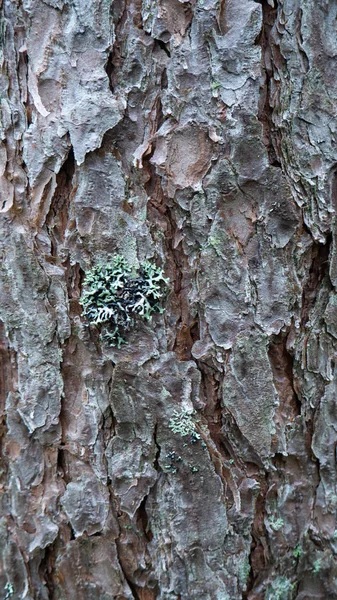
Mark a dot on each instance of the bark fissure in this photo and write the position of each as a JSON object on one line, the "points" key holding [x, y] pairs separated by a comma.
{"points": [[269, 12], [318, 276]]}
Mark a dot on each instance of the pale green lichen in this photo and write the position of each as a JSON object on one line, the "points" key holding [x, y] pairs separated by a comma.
{"points": [[115, 295], [280, 589], [276, 524], [297, 551], [317, 566], [182, 423], [244, 571], [9, 590]]}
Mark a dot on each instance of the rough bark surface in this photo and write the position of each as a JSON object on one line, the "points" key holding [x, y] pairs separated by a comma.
{"points": [[201, 135]]}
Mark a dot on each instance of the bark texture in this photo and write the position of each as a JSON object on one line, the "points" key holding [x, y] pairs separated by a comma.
{"points": [[200, 135]]}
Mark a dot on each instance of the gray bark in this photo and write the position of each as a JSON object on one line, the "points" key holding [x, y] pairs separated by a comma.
{"points": [[200, 135]]}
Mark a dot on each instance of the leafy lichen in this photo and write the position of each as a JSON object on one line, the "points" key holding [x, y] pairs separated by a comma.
{"points": [[114, 295], [182, 423], [9, 591], [280, 589], [276, 524], [297, 551]]}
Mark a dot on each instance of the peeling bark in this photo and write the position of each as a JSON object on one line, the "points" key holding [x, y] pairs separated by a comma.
{"points": [[199, 135]]}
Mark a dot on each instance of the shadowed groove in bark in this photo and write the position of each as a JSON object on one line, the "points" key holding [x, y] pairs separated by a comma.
{"points": [[318, 276], [131, 584], [164, 47], [282, 363], [122, 11], [8, 384], [57, 219], [266, 110], [258, 556], [8, 377], [47, 568]]}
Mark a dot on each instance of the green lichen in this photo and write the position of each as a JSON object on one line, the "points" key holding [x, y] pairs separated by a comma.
{"points": [[115, 295], [317, 566], [182, 423], [9, 591], [280, 589], [215, 241], [215, 85], [297, 551], [244, 571], [276, 524]]}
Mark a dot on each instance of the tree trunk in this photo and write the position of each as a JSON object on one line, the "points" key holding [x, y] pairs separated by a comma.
{"points": [[197, 461]]}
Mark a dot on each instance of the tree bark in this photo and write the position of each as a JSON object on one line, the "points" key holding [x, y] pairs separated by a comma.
{"points": [[199, 135]]}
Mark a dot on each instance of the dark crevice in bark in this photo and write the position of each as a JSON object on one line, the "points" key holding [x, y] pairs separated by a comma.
{"points": [[48, 565], [143, 521], [186, 335], [126, 15], [8, 383], [109, 418], [158, 449], [282, 364], [186, 323], [47, 568], [114, 61], [74, 277], [302, 53], [138, 526], [333, 187], [164, 81], [315, 536], [146, 593], [213, 411], [132, 586], [23, 62], [219, 449], [57, 219], [141, 514], [110, 68], [265, 106], [319, 271], [62, 464], [304, 226], [8, 374], [259, 554], [163, 46]]}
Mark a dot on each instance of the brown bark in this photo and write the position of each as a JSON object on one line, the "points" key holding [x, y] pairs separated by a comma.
{"points": [[199, 135]]}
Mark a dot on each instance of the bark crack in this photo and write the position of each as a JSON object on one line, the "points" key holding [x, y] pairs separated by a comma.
{"points": [[269, 14]]}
